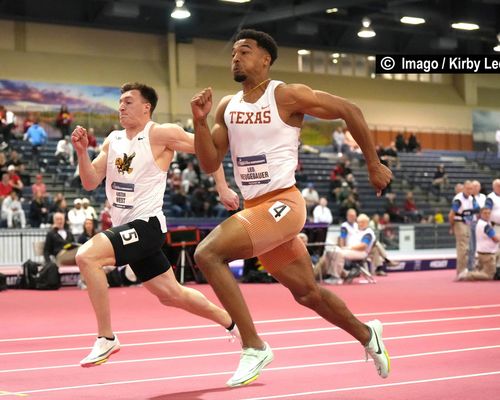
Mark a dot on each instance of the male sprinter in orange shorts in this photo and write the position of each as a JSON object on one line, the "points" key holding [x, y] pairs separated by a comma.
{"points": [[261, 125]]}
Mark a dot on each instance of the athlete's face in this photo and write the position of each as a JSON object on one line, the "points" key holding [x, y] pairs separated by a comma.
{"points": [[248, 59], [133, 109]]}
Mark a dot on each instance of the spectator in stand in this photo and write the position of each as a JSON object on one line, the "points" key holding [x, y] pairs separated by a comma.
{"points": [[175, 179], [199, 202], [487, 248], [88, 231], [76, 217], [392, 209], [3, 163], [400, 142], [64, 151], [89, 211], [37, 136], [413, 145], [388, 234], [12, 211], [64, 120], [56, 238], [105, 216], [39, 186], [440, 180], [190, 178], [350, 202], [438, 217], [410, 209], [92, 148], [311, 196], [321, 213], [28, 121], [14, 180], [338, 139], [7, 124], [39, 211], [5, 187], [15, 160], [180, 203], [390, 155]]}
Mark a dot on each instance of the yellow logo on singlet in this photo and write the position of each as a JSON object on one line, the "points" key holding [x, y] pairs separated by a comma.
{"points": [[123, 164]]}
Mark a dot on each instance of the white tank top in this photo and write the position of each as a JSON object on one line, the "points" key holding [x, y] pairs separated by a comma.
{"points": [[264, 149], [135, 185]]}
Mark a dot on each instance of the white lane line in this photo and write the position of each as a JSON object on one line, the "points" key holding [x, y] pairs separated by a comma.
{"points": [[295, 347], [287, 332], [178, 328], [383, 385], [211, 374]]}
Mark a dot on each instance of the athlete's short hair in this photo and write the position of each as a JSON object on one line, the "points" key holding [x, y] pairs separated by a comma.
{"points": [[146, 91], [263, 40]]}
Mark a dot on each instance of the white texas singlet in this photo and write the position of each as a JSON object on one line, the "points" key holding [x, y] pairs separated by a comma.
{"points": [[134, 183], [264, 149]]}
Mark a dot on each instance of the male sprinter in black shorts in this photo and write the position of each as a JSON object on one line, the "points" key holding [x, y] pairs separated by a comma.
{"points": [[135, 162]]}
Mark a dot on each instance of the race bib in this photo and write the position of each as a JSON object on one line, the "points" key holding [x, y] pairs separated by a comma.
{"points": [[253, 170], [278, 210], [123, 195]]}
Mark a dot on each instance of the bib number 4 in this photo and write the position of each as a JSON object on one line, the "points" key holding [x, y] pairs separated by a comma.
{"points": [[278, 210]]}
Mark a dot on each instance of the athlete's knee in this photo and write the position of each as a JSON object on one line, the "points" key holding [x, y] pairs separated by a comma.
{"points": [[311, 297], [204, 256], [171, 296]]}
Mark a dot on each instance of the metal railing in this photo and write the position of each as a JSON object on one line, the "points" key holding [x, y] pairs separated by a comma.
{"points": [[19, 245]]}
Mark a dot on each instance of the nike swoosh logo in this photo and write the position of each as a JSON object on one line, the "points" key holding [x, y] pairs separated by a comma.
{"points": [[264, 107], [379, 351], [140, 138]]}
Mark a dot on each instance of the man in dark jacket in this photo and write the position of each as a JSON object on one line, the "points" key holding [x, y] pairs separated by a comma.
{"points": [[57, 237]]}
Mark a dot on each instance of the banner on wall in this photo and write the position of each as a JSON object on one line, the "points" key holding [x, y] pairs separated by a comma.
{"points": [[485, 124], [90, 106]]}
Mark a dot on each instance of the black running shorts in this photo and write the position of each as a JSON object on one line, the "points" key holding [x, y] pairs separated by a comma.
{"points": [[138, 243]]}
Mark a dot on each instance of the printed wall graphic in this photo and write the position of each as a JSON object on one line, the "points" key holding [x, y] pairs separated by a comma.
{"points": [[90, 106], [318, 132], [484, 126]]}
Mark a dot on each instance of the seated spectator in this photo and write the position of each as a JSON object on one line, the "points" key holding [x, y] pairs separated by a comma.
{"points": [[37, 136], [15, 160], [64, 151], [5, 187], [438, 217], [321, 213], [338, 142], [311, 197], [180, 203], [89, 211], [88, 231], [487, 248], [410, 208], [105, 217], [400, 143], [199, 202], [39, 211], [56, 238], [388, 234], [440, 180], [76, 217], [190, 178], [413, 145], [15, 181], [392, 209], [7, 124], [350, 202], [175, 179], [92, 148], [3, 163], [390, 155], [39, 186], [64, 120], [12, 211]]}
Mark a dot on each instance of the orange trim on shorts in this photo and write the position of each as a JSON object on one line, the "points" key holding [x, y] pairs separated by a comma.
{"points": [[257, 200]]}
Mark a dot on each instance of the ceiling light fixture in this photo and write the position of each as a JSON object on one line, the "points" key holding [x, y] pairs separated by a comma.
{"points": [[303, 52], [332, 10], [412, 20], [180, 11], [236, 1], [497, 47], [366, 31], [465, 26]]}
